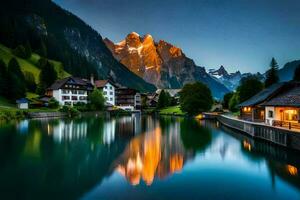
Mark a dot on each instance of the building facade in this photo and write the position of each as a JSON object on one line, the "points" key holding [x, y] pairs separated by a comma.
{"points": [[128, 99], [278, 105], [108, 89], [70, 91]]}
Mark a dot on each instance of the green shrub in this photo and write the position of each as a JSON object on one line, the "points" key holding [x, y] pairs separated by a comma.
{"points": [[97, 100], [71, 111], [53, 103], [9, 115]]}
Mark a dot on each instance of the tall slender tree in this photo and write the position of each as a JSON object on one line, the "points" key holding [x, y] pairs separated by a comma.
{"points": [[47, 76], [15, 80], [3, 78], [164, 100], [272, 76], [297, 74], [28, 50]]}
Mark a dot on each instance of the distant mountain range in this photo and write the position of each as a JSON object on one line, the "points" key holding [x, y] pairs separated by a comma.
{"points": [[161, 63], [230, 80]]}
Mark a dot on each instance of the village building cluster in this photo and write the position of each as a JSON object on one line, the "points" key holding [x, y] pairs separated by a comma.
{"points": [[73, 90]]}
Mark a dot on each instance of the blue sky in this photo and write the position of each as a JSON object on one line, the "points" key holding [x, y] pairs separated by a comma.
{"points": [[239, 34]]}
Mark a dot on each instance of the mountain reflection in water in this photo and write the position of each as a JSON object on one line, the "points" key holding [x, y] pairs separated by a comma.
{"points": [[153, 154], [141, 157]]}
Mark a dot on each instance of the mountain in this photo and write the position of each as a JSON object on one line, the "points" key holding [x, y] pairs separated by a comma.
{"points": [[230, 80], [286, 73], [161, 63], [58, 34]]}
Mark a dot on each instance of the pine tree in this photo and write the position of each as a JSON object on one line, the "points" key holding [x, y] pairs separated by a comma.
{"points": [[164, 99], [272, 76], [297, 74], [15, 80], [3, 78], [30, 81], [47, 76], [43, 49], [28, 50]]}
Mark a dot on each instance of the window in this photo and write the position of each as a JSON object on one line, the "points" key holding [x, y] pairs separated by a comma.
{"points": [[106, 98], [111, 93], [110, 87], [290, 115], [82, 98], [74, 98], [105, 87], [111, 99], [65, 97], [104, 92], [81, 92], [270, 114]]}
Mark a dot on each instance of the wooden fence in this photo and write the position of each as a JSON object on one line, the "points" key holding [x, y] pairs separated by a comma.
{"points": [[278, 135]]}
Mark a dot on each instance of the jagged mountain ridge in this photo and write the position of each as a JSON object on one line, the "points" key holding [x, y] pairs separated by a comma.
{"points": [[230, 80], [286, 73], [161, 63], [66, 38]]}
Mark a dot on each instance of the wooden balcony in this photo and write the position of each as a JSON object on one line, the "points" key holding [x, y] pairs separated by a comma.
{"points": [[286, 124]]}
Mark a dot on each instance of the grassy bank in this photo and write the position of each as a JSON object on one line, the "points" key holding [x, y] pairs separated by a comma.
{"points": [[172, 110], [31, 64]]}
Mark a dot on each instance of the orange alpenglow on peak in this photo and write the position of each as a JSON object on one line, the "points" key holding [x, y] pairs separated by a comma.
{"points": [[147, 157], [143, 56]]}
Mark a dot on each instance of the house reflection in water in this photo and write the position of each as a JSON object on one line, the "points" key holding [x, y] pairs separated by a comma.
{"points": [[153, 155], [67, 131], [109, 131]]}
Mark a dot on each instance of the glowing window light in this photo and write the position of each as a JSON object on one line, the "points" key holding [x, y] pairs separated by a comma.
{"points": [[292, 170], [247, 145]]}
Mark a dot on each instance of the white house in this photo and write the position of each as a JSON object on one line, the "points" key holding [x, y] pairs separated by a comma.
{"points": [[22, 103], [71, 90], [108, 90]]}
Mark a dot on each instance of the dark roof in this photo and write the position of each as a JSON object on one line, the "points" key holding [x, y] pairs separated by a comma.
{"points": [[102, 83], [22, 100], [125, 90], [75, 80], [290, 96], [262, 95]]}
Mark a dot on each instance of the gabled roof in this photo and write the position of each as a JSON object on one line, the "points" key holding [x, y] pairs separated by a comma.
{"points": [[102, 83], [290, 96], [72, 80], [262, 95], [22, 100]]}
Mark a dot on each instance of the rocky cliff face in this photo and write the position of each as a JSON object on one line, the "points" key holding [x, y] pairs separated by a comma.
{"points": [[160, 63], [139, 55]]}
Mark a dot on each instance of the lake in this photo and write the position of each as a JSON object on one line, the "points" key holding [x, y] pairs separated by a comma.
{"points": [[141, 157]]}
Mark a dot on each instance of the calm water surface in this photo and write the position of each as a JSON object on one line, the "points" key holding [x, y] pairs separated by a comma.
{"points": [[141, 157]]}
